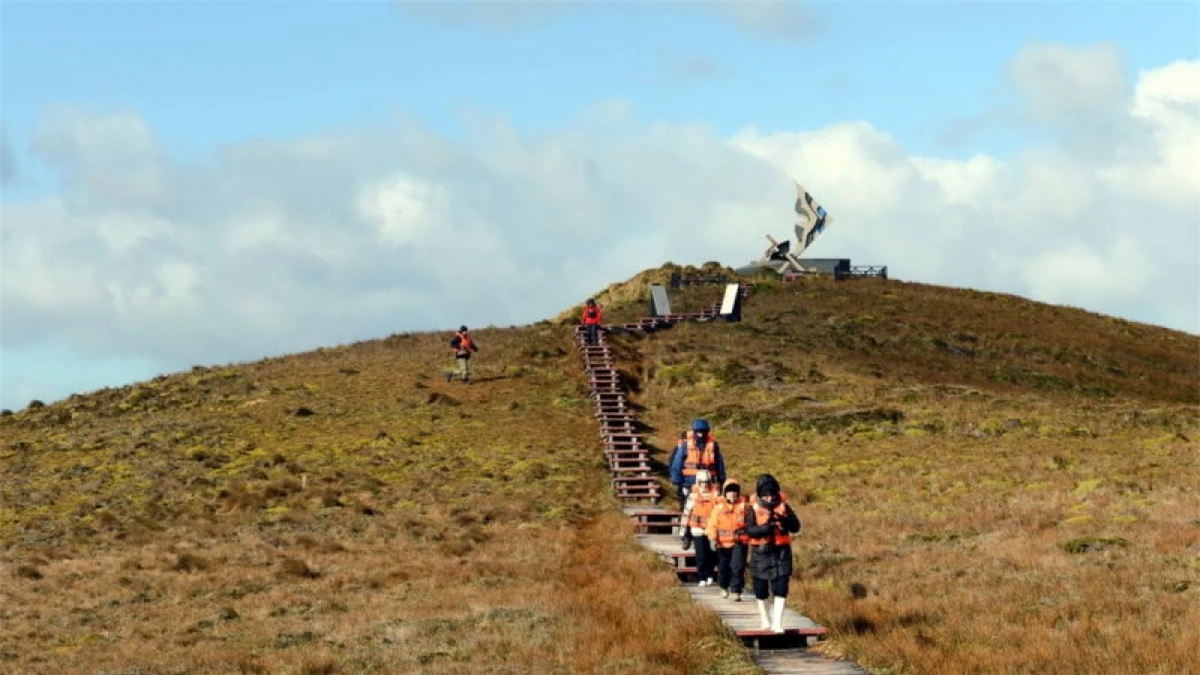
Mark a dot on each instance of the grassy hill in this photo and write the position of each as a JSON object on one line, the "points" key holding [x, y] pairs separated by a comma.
{"points": [[987, 485]]}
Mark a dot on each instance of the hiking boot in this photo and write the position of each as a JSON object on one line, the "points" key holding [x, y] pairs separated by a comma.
{"points": [[737, 597], [724, 593]]}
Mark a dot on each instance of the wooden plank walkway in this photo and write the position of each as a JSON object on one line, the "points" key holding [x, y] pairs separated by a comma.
{"points": [[776, 654], [802, 662], [742, 616], [657, 527]]}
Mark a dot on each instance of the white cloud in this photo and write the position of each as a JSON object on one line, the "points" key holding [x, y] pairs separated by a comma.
{"points": [[771, 19], [1063, 86], [8, 159], [278, 246], [1165, 165], [775, 19], [403, 210], [692, 68]]}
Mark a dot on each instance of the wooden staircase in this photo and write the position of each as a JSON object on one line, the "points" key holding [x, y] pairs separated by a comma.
{"points": [[657, 528]]}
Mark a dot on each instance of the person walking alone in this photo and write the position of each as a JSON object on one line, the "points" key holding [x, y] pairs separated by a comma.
{"points": [[591, 319], [463, 344]]}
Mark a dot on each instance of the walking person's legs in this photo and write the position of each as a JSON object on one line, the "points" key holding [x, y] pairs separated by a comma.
{"points": [[779, 587], [723, 559], [704, 561], [722, 555], [737, 570], [762, 591]]}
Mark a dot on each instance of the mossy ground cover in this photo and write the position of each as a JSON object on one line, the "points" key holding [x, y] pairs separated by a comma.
{"points": [[956, 521], [345, 510], [988, 485]]}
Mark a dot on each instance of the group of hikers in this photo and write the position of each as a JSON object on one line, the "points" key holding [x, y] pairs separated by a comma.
{"points": [[727, 527]]}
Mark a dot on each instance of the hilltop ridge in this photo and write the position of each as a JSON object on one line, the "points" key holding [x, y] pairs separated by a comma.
{"points": [[976, 463]]}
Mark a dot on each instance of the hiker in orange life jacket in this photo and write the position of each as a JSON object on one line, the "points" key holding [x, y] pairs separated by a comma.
{"points": [[699, 450], [770, 522], [727, 537], [591, 319], [700, 503], [463, 344]]}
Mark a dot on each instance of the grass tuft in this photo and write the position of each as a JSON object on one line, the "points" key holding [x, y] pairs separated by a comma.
{"points": [[964, 464]]}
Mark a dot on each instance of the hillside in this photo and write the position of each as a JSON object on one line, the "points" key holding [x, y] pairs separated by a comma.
{"points": [[1006, 486]]}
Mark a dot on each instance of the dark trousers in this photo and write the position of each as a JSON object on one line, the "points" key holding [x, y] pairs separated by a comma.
{"points": [[704, 558], [778, 586], [731, 568], [590, 331]]}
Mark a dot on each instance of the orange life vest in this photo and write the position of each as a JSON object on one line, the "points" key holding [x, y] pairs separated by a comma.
{"points": [[729, 520], [779, 537], [703, 507], [697, 459], [464, 344]]}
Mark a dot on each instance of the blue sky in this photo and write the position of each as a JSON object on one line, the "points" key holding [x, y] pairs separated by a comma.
{"points": [[211, 73], [205, 77]]}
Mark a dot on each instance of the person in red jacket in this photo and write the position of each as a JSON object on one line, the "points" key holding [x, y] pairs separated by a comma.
{"points": [[591, 319]]}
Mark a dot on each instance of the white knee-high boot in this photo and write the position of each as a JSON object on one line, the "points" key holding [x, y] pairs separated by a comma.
{"points": [[762, 614], [777, 615]]}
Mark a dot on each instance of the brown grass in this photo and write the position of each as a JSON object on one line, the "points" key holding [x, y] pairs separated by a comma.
{"points": [[972, 522], [195, 524], [968, 466]]}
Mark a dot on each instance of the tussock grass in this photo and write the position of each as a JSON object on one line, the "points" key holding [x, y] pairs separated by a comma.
{"points": [[966, 465], [196, 523], [988, 485]]}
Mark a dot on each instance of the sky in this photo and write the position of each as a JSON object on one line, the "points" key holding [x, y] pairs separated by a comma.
{"points": [[209, 183]]}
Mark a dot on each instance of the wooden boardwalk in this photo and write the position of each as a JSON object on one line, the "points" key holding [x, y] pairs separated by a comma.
{"points": [[634, 485]]}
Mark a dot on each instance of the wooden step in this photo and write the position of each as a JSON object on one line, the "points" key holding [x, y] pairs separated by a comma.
{"points": [[653, 514], [635, 481], [641, 469], [635, 484], [686, 573], [628, 462], [640, 495], [636, 488], [682, 558]]}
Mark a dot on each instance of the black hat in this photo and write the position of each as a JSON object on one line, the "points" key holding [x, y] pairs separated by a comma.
{"points": [[767, 485], [462, 329]]}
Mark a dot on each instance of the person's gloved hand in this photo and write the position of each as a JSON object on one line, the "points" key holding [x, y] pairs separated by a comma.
{"points": [[687, 539]]}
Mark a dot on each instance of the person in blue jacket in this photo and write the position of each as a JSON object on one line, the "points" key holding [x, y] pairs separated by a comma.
{"points": [[697, 450]]}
